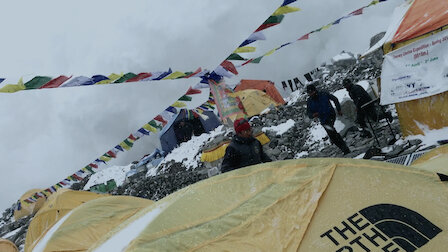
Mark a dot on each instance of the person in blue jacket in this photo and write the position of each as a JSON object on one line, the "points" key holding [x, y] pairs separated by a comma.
{"points": [[319, 106]]}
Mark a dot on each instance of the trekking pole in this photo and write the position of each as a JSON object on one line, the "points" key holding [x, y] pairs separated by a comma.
{"points": [[388, 123]]}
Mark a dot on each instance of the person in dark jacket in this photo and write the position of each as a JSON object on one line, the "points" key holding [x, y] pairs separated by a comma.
{"points": [[360, 97], [244, 149], [183, 131], [319, 106]]}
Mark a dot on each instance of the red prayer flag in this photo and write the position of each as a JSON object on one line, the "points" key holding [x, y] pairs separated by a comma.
{"points": [[160, 119], [357, 12], [306, 36], [229, 67], [191, 91], [132, 137], [54, 83], [193, 74], [111, 153], [93, 165]]}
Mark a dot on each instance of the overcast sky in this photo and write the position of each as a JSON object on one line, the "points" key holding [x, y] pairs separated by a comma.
{"points": [[47, 135]]}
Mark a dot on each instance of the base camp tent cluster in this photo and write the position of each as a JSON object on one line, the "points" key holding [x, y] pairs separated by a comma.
{"points": [[296, 205]]}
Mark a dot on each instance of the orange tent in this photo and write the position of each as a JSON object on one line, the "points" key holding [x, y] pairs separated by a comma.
{"points": [[263, 85]]}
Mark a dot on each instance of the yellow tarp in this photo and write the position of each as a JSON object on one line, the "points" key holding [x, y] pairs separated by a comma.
{"points": [[90, 221], [219, 151], [27, 209], [57, 206], [254, 101], [7, 246], [300, 205], [436, 160]]}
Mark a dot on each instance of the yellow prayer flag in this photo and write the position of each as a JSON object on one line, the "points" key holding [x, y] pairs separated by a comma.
{"points": [[125, 146], [11, 88], [105, 159], [269, 53], [326, 27], [179, 104], [285, 9], [174, 75], [149, 128], [245, 49]]}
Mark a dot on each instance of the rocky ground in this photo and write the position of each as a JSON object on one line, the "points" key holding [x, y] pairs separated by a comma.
{"points": [[297, 142]]}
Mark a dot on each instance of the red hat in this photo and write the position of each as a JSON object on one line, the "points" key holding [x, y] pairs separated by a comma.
{"points": [[241, 125]]}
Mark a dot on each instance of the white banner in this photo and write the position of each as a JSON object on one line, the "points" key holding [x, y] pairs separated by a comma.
{"points": [[416, 71]]}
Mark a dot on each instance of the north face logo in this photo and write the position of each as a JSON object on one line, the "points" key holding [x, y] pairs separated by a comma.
{"points": [[383, 227]]}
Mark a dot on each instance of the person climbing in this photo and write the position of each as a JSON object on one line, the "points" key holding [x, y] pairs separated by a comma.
{"points": [[244, 149], [319, 106], [360, 97]]}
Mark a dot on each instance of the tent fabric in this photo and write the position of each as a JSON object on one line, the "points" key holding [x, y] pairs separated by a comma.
{"points": [[298, 205], [57, 206], [27, 209], [92, 220], [168, 140], [270, 88], [423, 16], [254, 101], [435, 161], [219, 151], [7, 246]]}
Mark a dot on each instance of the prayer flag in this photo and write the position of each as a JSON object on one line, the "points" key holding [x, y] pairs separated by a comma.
{"points": [[98, 78], [245, 49], [128, 143], [269, 53], [221, 71], [77, 81], [56, 82], [131, 137], [143, 131], [11, 88], [229, 66], [149, 128], [100, 161], [271, 21], [179, 104], [171, 109], [194, 73], [160, 118], [192, 91], [304, 37], [357, 12], [37, 82], [327, 26], [284, 10], [235, 56], [155, 124], [118, 147], [111, 153], [174, 75], [163, 75], [125, 77], [1, 80]]}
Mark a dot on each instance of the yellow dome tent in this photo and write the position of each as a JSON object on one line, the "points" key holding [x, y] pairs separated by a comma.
{"points": [[7, 246], [435, 160], [294, 205], [254, 100], [27, 209], [91, 221], [57, 206]]}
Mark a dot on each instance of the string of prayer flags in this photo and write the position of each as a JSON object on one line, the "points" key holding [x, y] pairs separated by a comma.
{"points": [[253, 37], [174, 75]]}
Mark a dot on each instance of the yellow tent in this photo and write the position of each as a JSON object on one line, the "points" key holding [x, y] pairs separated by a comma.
{"points": [[91, 221], [423, 19], [435, 161], [294, 205], [27, 209], [7, 246], [254, 100], [57, 206]]}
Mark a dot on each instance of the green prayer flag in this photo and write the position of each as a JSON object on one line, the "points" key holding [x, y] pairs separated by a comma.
{"points": [[155, 125], [235, 56], [37, 82], [274, 19], [257, 60], [89, 169], [125, 77], [130, 144], [185, 98]]}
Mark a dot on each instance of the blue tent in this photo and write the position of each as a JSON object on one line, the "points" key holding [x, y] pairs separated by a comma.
{"points": [[168, 138]]}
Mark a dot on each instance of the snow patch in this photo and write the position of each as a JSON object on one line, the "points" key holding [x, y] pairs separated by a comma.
{"points": [[117, 173], [281, 128]]}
